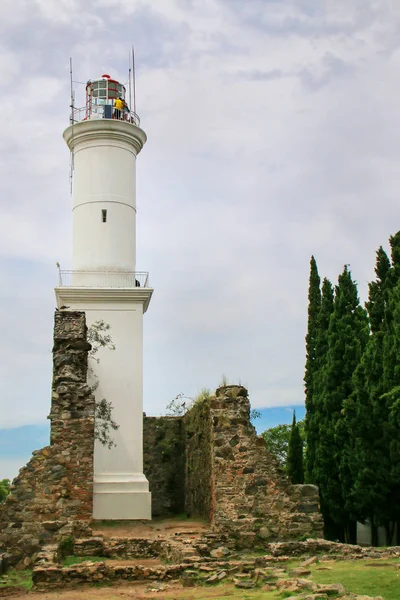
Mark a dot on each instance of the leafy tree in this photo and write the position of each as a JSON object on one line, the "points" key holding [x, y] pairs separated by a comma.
{"points": [[311, 420], [4, 489], [99, 337], [294, 467], [347, 336], [277, 440]]}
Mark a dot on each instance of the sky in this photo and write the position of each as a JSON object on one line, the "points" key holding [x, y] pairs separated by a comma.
{"points": [[273, 134]]}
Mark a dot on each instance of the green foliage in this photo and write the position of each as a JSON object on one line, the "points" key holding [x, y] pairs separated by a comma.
{"points": [[294, 466], [314, 309], [254, 414], [347, 336], [4, 489], [15, 578], [353, 397], [365, 415], [359, 578], [76, 560], [224, 381], [277, 440], [66, 546], [104, 423], [99, 337], [181, 403], [315, 410]]}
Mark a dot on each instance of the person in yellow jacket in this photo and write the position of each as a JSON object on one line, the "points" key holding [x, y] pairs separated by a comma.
{"points": [[118, 107]]}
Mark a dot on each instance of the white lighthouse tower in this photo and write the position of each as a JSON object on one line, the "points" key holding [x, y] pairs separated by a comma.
{"points": [[104, 142]]}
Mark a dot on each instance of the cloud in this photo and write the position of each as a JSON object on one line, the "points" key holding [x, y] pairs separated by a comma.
{"points": [[272, 134]]}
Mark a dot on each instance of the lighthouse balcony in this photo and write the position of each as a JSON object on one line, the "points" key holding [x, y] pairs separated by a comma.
{"points": [[104, 279], [103, 111]]}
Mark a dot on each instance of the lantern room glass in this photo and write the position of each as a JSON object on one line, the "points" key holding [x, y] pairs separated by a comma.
{"points": [[101, 92]]}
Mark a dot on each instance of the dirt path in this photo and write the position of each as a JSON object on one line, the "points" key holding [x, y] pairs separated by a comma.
{"points": [[151, 529], [142, 591]]}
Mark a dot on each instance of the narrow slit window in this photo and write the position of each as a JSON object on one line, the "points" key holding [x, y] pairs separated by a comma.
{"points": [[104, 216]]}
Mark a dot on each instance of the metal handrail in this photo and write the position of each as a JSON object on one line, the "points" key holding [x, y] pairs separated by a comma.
{"points": [[82, 114], [104, 279]]}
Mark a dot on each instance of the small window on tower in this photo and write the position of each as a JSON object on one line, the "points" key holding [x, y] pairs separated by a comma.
{"points": [[104, 216]]}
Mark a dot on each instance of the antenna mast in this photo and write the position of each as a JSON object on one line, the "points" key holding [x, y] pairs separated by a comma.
{"points": [[130, 86], [71, 120], [134, 80]]}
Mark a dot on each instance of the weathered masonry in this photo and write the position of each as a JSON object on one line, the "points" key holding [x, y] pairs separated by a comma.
{"points": [[227, 475], [209, 463], [53, 493]]}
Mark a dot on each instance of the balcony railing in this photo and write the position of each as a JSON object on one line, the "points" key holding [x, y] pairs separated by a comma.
{"points": [[104, 279], [103, 111]]}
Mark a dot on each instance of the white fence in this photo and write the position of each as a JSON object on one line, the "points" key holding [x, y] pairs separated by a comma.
{"points": [[97, 112], [104, 279]]}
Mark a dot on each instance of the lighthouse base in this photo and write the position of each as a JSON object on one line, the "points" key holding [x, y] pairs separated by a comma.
{"points": [[121, 497]]}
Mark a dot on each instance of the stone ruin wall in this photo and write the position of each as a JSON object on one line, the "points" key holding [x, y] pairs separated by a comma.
{"points": [[164, 464], [230, 478], [55, 488], [208, 463], [252, 497]]}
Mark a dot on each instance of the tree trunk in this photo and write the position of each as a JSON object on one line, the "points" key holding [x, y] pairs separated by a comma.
{"points": [[350, 532], [374, 533]]}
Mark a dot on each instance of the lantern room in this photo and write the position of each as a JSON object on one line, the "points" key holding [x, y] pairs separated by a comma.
{"points": [[100, 93]]}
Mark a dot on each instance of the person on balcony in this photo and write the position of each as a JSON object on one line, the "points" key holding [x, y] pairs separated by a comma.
{"points": [[118, 107], [126, 112]]}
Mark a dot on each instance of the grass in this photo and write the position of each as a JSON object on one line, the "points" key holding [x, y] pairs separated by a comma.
{"points": [[76, 560], [16, 579], [105, 523], [359, 577]]}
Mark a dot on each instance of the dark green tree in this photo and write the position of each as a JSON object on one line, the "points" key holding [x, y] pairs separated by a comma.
{"points": [[311, 419], [389, 401], [277, 441], [295, 468], [322, 345], [4, 489], [366, 461], [347, 336]]}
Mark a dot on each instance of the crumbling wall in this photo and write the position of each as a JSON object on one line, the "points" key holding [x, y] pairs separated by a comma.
{"points": [[198, 471], [230, 478], [252, 498], [54, 490], [164, 463]]}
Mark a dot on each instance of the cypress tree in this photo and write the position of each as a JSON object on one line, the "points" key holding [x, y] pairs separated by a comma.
{"points": [[347, 337], [366, 415], [322, 346], [294, 466], [311, 420], [388, 404]]}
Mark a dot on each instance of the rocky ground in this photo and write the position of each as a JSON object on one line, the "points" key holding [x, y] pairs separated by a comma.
{"points": [[280, 577], [150, 529]]}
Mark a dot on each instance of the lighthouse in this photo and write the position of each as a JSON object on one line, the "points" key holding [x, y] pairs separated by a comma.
{"points": [[104, 138]]}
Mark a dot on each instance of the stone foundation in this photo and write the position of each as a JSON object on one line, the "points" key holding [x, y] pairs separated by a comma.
{"points": [[207, 564], [230, 478], [210, 463], [53, 493], [252, 498]]}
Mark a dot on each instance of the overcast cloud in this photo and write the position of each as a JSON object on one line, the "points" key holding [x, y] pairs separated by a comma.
{"points": [[273, 133]]}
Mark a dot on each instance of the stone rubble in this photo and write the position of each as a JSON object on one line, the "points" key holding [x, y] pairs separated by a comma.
{"points": [[53, 493]]}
